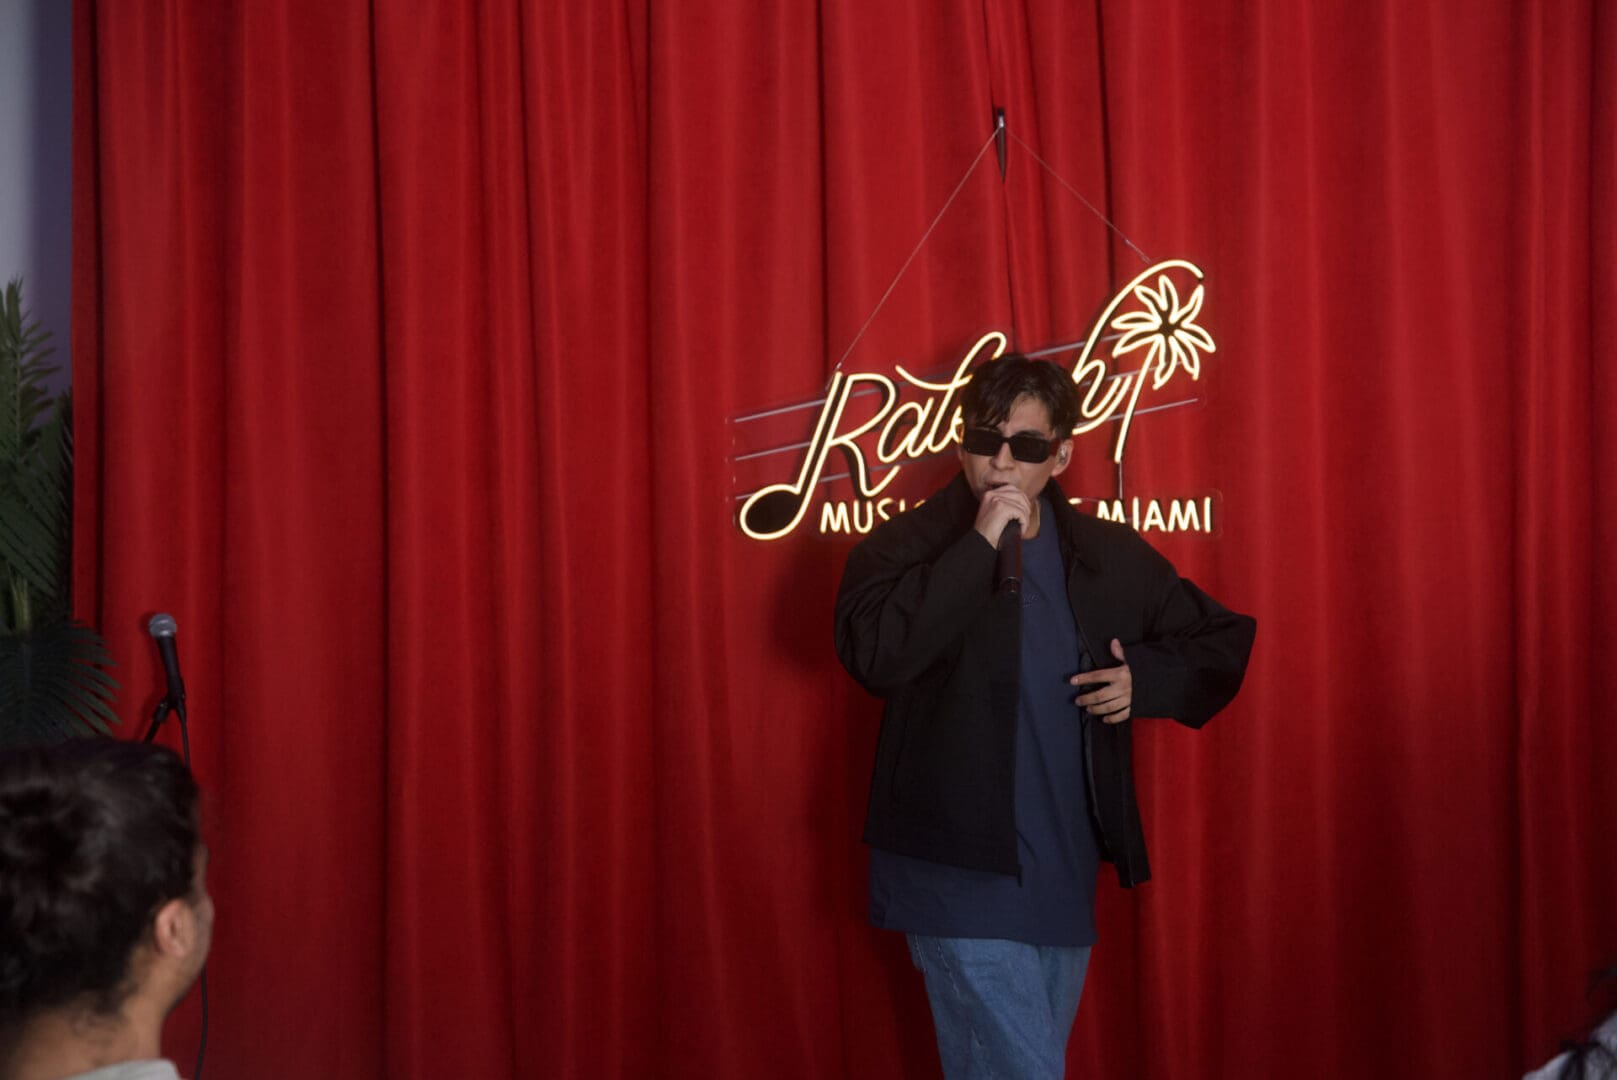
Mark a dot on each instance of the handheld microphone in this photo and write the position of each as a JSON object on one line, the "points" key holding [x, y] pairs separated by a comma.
{"points": [[1008, 566], [161, 627]]}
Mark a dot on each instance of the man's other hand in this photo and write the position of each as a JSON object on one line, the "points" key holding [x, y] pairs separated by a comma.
{"points": [[1109, 692]]}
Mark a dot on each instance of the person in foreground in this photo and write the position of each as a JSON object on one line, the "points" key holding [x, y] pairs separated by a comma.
{"points": [[1593, 1057], [1003, 772], [105, 918]]}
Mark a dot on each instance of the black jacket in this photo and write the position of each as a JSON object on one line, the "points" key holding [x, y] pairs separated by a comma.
{"points": [[918, 623]]}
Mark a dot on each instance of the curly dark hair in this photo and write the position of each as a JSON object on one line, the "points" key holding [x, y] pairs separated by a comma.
{"points": [[96, 835], [994, 387]]}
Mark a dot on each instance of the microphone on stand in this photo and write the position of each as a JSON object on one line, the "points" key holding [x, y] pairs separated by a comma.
{"points": [[161, 627], [1008, 567]]}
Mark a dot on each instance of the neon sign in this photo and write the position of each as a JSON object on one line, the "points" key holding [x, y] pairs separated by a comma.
{"points": [[1145, 317]]}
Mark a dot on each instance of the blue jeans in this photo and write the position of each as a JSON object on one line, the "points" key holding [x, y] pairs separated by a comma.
{"points": [[1002, 1009]]}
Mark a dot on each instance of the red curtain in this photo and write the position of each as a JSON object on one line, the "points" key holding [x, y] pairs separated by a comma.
{"points": [[409, 342]]}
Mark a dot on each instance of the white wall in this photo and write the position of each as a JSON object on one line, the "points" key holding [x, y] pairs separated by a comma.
{"points": [[36, 180]]}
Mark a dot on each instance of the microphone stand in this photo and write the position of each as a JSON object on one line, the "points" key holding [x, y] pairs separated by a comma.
{"points": [[160, 713]]}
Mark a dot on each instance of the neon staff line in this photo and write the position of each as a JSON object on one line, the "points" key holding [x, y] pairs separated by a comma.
{"points": [[1160, 325]]}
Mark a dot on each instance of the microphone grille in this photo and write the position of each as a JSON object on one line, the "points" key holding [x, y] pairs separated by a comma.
{"points": [[161, 625]]}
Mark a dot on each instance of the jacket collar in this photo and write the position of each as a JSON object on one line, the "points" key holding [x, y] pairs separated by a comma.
{"points": [[1072, 528]]}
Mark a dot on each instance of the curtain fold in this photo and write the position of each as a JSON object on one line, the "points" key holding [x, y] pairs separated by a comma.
{"points": [[414, 351]]}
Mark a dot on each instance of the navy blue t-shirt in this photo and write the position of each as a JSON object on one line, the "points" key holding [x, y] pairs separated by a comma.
{"points": [[1054, 902]]}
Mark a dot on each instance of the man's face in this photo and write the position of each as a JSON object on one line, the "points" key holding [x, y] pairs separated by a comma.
{"points": [[1028, 416]]}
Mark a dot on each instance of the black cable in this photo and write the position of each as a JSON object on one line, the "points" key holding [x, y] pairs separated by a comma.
{"points": [[202, 979], [202, 1040]]}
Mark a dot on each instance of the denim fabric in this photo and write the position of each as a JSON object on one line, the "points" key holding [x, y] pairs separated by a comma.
{"points": [[1002, 1009]]}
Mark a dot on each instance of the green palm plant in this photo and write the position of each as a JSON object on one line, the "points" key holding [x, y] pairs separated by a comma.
{"points": [[53, 669]]}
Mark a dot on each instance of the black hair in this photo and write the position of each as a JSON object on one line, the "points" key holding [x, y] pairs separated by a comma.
{"points": [[96, 835], [994, 387]]}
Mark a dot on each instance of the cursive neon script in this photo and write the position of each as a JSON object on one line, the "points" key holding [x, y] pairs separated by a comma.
{"points": [[1146, 316]]}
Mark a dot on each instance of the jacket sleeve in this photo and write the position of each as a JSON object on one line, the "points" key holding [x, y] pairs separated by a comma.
{"points": [[1194, 656], [898, 613]]}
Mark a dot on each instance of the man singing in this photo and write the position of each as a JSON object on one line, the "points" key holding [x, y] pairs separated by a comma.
{"points": [[1003, 771]]}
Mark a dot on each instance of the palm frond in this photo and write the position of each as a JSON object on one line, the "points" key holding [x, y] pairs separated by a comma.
{"points": [[36, 514], [25, 396], [36, 470], [53, 684], [53, 670]]}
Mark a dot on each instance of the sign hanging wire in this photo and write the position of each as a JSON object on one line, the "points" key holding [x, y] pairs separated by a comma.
{"points": [[1079, 196], [924, 238], [995, 136]]}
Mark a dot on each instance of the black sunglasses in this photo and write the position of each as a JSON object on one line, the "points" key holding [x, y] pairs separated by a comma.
{"points": [[985, 442]]}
